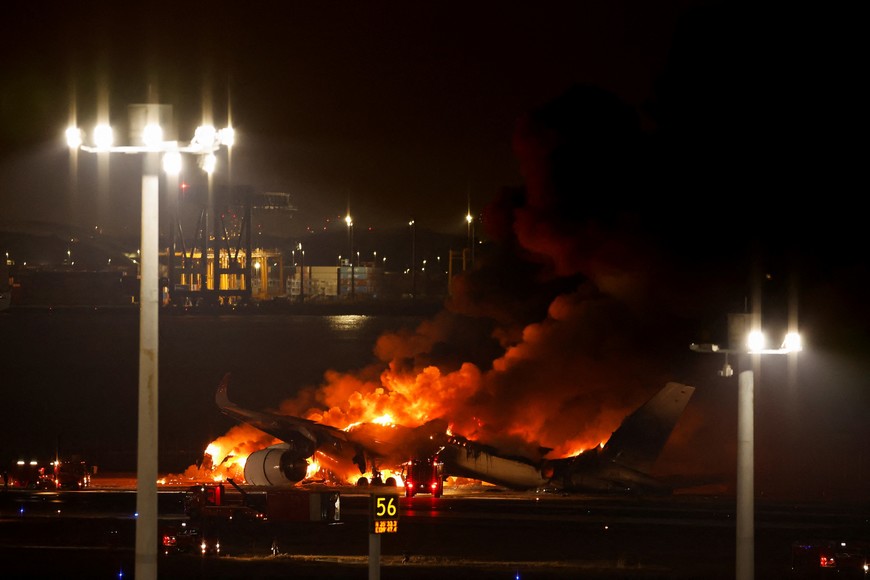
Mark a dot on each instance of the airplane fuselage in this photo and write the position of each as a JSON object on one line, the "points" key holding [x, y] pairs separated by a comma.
{"points": [[473, 462]]}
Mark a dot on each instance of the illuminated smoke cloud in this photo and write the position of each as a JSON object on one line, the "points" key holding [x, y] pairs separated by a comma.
{"points": [[549, 341]]}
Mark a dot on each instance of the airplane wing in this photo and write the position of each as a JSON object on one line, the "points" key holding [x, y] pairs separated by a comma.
{"points": [[284, 427], [363, 445]]}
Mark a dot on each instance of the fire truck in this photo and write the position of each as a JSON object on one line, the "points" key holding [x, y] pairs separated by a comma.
{"points": [[216, 511], [423, 476], [72, 474], [215, 502], [28, 474], [57, 474]]}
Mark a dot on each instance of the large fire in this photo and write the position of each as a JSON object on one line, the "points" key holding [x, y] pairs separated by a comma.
{"points": [[398, 398], [224, 458]]}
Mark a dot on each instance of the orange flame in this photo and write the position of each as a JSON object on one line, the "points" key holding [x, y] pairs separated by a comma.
{"points": [[502, 406]]}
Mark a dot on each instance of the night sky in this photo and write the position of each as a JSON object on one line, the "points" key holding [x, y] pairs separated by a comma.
{"points": [[398, 110], [651, 165]]}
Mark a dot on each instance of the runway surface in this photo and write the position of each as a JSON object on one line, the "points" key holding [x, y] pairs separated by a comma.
{"points": [[472, 532]]}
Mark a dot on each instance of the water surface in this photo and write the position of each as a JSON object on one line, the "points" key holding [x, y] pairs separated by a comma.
{"points": [[69, 378]]}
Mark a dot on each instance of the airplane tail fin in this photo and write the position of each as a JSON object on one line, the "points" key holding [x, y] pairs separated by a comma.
{"points": [[640, 438]]}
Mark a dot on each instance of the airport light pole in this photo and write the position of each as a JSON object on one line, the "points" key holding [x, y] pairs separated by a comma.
{"points": [[470, 219], [413, 259], [349, 221], [755, 347], [146, 129]]}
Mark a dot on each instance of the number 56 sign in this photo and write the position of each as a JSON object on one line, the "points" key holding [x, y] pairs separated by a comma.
{"points": [[385, 513]]}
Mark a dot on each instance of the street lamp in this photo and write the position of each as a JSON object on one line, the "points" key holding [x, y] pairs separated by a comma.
{"points": [[349, 223], [147, 131], [470, 220], [755, 345], [413, 259], [301, 274]]}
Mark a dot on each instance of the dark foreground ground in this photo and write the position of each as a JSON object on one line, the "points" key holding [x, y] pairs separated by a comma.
{"points": [[487, 534]]}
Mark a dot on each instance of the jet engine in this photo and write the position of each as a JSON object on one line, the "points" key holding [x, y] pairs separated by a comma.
{"points": [[282, 464]]}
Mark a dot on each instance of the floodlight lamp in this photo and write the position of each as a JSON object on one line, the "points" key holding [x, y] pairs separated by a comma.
{"points": [[208, 163], [103, 136], [755, 341], [172, 162], [792, 342], [205, 136], [227, 136], [348, 220], [74, 137], [152, 135], [468, 217], [705, 347]]}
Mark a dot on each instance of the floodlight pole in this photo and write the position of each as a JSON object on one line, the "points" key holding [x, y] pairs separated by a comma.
{"points": [[745, 536], [413, 259], [745, 556], [205, 142], [146, 466], [745, 508]]}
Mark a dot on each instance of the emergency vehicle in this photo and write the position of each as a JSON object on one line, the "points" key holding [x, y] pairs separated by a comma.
{"points": [[423, 476]]}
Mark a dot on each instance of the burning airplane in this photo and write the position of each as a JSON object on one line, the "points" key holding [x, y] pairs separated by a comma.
{"points": [[621, 464], [536, 371]]}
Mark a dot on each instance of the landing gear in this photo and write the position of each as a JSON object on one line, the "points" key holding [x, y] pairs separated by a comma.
{"points": [[376, 477], [377, 480]]}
